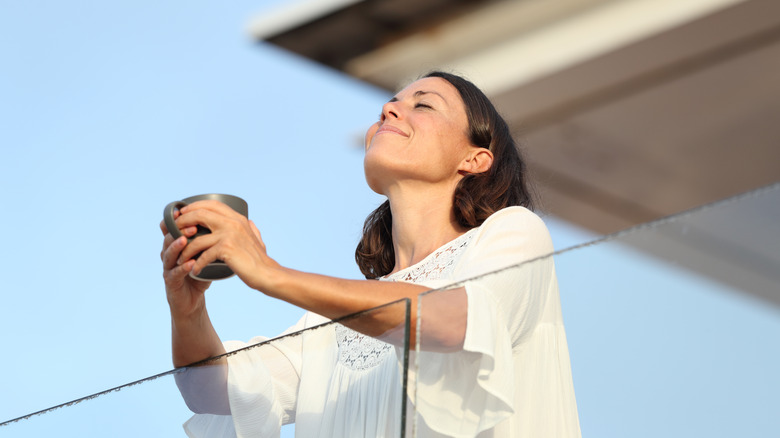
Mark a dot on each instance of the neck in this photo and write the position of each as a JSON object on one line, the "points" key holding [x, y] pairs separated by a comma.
{"points": [[423, 221]]}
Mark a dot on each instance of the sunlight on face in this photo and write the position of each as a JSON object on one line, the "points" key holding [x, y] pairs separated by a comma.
{"points": [[421, 136]]}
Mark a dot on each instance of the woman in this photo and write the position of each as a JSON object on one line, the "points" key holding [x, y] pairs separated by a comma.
{"points": [[495, 357]]}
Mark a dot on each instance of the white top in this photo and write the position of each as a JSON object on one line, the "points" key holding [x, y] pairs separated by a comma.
{"points": [[511, 379]]}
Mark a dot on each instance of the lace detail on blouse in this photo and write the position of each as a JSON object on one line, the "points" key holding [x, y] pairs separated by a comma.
{"points": [[360, 352], [435, 266]]}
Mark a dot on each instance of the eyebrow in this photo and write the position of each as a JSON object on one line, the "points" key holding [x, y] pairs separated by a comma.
{"points": [[421, 93]]}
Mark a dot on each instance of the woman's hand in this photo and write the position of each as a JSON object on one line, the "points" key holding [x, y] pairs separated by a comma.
{"points": [[185, 294], [193, 335], [234, 239]]}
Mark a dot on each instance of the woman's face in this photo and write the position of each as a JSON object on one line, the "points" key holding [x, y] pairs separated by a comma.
{"points": [[421, 136]]}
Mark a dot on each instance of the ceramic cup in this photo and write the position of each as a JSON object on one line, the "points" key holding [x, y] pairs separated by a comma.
{"points": [[216, 270]]}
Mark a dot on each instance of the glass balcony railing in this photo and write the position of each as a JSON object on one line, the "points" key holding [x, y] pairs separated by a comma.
{"points": [[163, 405], [672, 329]]}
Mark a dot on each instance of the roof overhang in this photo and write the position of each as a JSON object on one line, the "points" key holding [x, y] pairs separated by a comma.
{"points": [[628, 111]]}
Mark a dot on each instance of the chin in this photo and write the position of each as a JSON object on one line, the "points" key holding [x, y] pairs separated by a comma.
{"points": [[375, 176], [374, 184]]}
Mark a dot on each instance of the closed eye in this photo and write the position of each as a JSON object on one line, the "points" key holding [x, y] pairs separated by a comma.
{"points": [[423, 105]]}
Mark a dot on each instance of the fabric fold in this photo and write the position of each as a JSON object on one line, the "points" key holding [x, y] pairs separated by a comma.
{"points": [[253, 403], [479, 379], [508, 376]]}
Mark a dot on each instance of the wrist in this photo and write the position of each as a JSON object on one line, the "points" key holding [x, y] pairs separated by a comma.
{"points": [[265, 276], [193, 314], [273, 281]]}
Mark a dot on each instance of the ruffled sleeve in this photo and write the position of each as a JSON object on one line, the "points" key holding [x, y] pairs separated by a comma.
{"points": [[464, 393], [262, 388]]}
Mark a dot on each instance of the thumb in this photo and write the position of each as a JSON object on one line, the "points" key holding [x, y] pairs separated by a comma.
{"points": [[256, 233]]}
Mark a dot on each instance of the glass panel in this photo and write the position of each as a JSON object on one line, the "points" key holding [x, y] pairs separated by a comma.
{"points": [[671, 329], [324, 362]]}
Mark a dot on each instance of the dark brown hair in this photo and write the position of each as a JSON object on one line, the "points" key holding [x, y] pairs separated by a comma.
{"points": [[476, 197]]}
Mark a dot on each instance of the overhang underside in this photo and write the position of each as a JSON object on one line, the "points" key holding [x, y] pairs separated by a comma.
{"points": [[634, 124]]}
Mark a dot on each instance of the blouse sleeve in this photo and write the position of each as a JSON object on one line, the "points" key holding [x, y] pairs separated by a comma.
{"points": [[262, 388], [464, 393]]}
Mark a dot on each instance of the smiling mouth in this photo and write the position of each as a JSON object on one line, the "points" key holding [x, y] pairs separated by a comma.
{"points": [[390, 130]]}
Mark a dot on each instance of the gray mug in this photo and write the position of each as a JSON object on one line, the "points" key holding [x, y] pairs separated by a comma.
{"points": [[216, 270]]}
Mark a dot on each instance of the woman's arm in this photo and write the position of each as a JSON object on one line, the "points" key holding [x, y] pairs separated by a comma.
{"points": [[236, 241], [193, 337], [444, 328]]}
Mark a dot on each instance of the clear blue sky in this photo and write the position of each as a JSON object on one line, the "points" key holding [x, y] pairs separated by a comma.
{"points": [[109, 110]]}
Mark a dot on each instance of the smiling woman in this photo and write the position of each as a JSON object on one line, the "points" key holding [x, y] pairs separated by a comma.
{"points": [[457, 208], [476, 194], [422, 137]]}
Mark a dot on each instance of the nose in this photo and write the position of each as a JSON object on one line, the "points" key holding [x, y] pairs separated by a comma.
{"points": [[389, 111]]}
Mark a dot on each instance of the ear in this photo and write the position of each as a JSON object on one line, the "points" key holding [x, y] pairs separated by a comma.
{"points": [[478, 160]]}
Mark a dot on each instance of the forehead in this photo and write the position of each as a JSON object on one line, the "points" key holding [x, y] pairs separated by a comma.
{"points": [[434, 85]]}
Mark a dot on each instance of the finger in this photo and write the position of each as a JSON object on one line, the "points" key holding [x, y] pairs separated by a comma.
{"points": [[175, 278], [170, 255], [256, 232], [208, 256], [163, 228], [168, 239], [207, 218], [197, 246], [211, 205]]}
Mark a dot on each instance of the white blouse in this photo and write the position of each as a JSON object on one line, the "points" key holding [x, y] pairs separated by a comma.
{"points": [[512, 377]]}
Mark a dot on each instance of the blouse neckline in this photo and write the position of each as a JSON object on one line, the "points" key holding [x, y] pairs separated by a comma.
{"points": [[452, 243]]}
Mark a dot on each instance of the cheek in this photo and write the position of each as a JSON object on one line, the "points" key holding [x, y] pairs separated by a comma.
{"points": [[370, 134]]}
